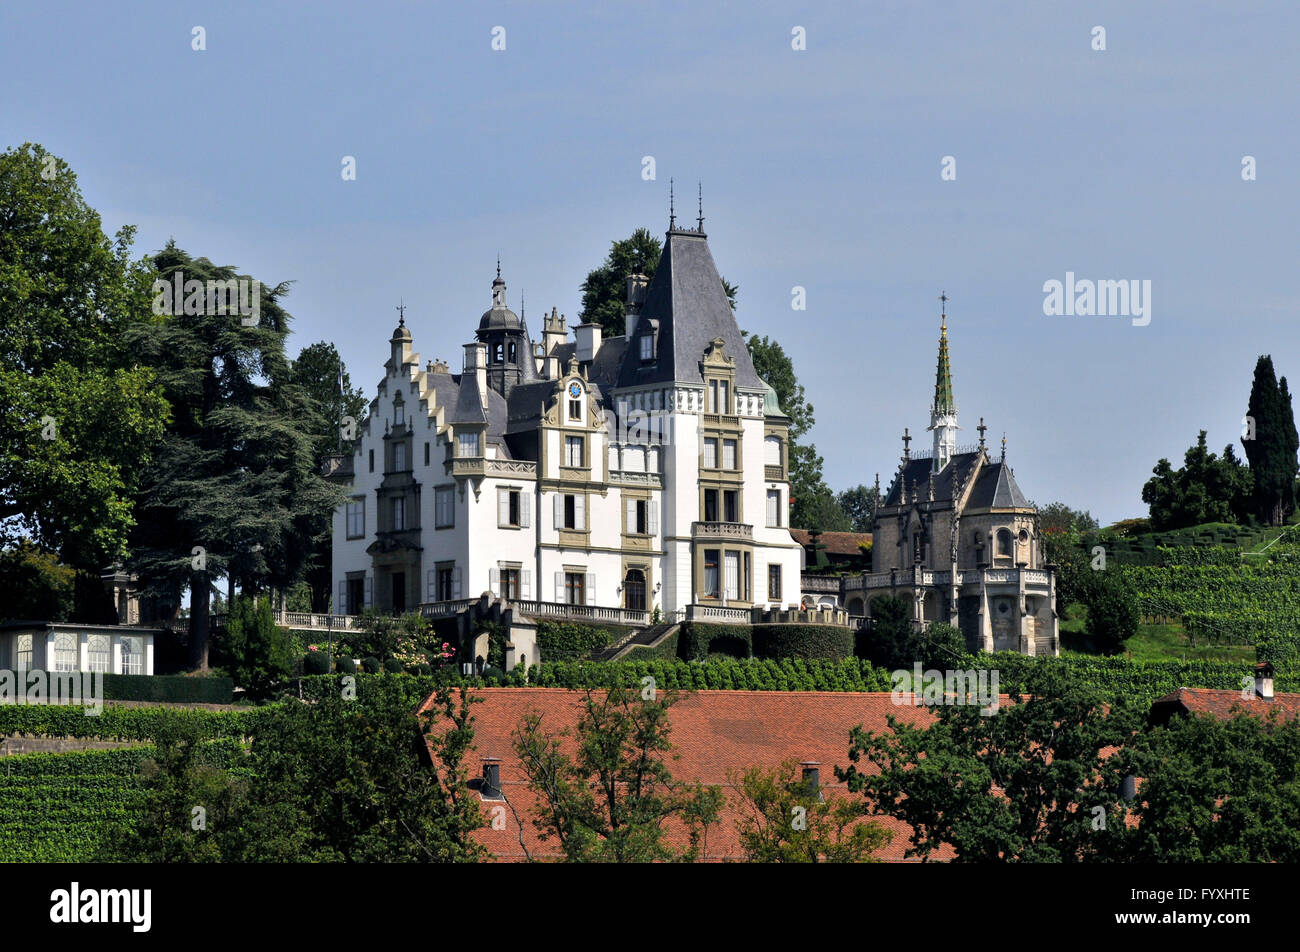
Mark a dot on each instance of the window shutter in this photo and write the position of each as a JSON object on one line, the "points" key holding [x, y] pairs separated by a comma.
{"points": [[341, 607], [630, 508], [580, 512], [525, 508], [591, 588], [654, 518], [432, 589], [369, 590], [559, 587], [526, 584], [494, 581], [455, 582], [559, 511], [503, 507]]}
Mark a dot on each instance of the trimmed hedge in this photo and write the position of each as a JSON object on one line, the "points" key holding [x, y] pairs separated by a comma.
{"points": [[696, 640], [119, 723], [802, 641], [168, 687], [560, 641], [666, 650]]}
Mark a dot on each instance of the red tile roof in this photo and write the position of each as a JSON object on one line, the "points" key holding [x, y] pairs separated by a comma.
{"points": [[712, 732], [837, 543], [1223, 703]]}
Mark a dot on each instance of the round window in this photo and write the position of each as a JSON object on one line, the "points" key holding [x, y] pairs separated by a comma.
{"points": [[1024, 537]]}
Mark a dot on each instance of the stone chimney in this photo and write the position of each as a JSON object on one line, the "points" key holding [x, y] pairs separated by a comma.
{"points": [[636, 285], [1264, 681], [554, 334], [588, 338], [476, 364]]}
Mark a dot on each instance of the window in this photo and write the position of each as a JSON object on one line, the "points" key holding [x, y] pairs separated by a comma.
{"points": [[774, 507], [512, 508], [498, 353], [399, 457], [444, 507], [772, 451], [23, 652], [399, 413], [132, 655], [575, 410], [731, 505], [510, 584], [728, 454], [356, 516], [97, 653], [446, 583], [744, 580], [724, 397], [1004, 542], [570, 512], [774, 583], [573, 450], [512, 353], [575, 588], [637, 517], [732, 560], [710, 454], [426, 454], [372, 461], [710, 505], [647, 347], [65, 652], [399, 513], [356, 596], [713, 396], [467, 445], [710, 573]]}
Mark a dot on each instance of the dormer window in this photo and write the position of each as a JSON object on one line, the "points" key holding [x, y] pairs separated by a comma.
{"points": [[647, 347]]}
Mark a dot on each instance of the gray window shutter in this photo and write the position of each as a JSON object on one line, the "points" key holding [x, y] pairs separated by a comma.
{"points": [[369, 590], [431, 592], [341, 607], [525, 508], [455, 582], [559, 587], [653, 525], [526, 584], [494, 581], [559, 511], [580, 512], [503, 507], [629, 507], [591, 588]]}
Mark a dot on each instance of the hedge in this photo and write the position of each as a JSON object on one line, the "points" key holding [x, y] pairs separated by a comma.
{"points": [[168, 687], [560, 640], [666, 650], [118, 723], [802, 641], [696, 640]]}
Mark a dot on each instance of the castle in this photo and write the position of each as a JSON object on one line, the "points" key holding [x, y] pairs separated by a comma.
{"points": [[632, 475]]}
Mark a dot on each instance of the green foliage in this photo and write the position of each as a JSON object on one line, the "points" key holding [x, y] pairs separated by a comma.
{"points": [[859, 505], [120, 723], [1112, 611], [252, 648], [610, 800], [561, 641], [408, 638], [802, 641], [34, 585], [173, 688], [697, 640], [1207, 489], [371, 665], [1272, 452], [781, 820], [316, 662]]}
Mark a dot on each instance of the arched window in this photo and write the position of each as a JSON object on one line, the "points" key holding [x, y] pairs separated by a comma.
{"points": [[97, 653], [132, 655], [23, 652], [498, 353], [634, 590], [399, 413], [1004, 542], [512, 353], [65, 652]]}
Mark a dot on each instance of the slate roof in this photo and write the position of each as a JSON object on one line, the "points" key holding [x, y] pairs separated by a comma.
{"points": [[468, 405], [917, 474], [688, 300], [996, 489], [712, 732]]}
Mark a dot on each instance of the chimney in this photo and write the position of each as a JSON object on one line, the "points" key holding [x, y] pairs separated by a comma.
{"points": [[476, 364], [636, 285], [491, 786], [554, 335], [588, 337], [1264, 681]]}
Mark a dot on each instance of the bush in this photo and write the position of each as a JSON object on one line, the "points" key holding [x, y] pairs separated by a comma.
{"points": [[168, 687], [696, 640], [252, 648], [315, 662], [393, 666], [345, 666], [493, 673], [560, 641], [802, 641], [370, 665]]}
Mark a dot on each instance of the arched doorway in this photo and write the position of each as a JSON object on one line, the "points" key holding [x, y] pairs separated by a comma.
{"points": [[634, 590]]}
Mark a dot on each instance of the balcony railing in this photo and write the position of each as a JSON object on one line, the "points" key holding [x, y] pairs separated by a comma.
{"points": [[303, 621], [820, 583], [722, 530], [771, 472], [619, 616]]}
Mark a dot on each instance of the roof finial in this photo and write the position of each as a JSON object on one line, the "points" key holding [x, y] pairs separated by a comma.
{"points": [[700, 197], [401, 313], [907, 444], [498, 264], [1004, 446], [943, 310], [672, 215], [981, 428]]}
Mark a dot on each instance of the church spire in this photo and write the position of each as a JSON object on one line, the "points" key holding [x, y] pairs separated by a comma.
{"points": [[943, 412]]}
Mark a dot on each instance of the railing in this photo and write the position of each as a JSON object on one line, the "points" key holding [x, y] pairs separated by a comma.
{"points": [[630, 478], [775, 473], [620, 616], [511, 467], [820, 583], [1036, 577], [722, 530], [309, 621], [443, 609], [717, 613]]}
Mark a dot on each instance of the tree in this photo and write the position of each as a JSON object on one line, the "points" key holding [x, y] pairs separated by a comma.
{"points": [[252, 648], [34, 584], [1207, 489], [1216, 791], [783, 820], [1271, 447], [1112, 610], [1034, 782], [896, 641], [80, 417], [1058, 517], [234, 489], [859, 504], [608, 800]]}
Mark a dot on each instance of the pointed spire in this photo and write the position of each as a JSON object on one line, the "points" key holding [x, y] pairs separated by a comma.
{"points": [[498, 264], [672, 215], [943, 398]]}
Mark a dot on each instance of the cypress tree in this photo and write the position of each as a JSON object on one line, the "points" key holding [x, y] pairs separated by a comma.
{"points": [[1272, 452]]}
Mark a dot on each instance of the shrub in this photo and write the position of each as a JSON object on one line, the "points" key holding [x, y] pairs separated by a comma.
{"points": [[696, 640], [168, 687], [491, 672], [393, 666], [560, 641], [253, 648], [802, 641], [370, 665], [345, 666], [315, 662]]}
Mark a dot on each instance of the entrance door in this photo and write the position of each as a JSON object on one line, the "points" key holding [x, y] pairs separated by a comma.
{"points": [[634, 590], [399, 593]]}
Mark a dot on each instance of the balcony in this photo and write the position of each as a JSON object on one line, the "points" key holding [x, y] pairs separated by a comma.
{"points": [[722, 530], [774, 473]]}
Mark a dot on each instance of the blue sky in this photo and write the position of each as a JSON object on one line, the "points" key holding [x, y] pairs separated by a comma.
{"points": [[820, 168]]}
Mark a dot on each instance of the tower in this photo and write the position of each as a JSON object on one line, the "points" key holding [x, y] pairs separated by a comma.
{"points": [[943, 412], [509, 349]]}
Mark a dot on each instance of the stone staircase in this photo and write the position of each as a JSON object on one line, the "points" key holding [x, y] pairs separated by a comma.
{"points": [[645, 637]]}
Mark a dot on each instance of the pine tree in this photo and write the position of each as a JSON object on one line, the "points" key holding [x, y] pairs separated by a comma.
{"points": [[1272, 451]]}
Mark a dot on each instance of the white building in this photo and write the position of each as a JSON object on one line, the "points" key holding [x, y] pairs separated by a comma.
{"points": [[595, 476], [69, 647]]}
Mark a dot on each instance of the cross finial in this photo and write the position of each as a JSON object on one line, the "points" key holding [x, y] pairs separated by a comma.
{"points": [[672, 215], [907, 444], [401, 313], [943, 309], [498, 266], [981, 428], [699, 187], [1004, 447]]}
